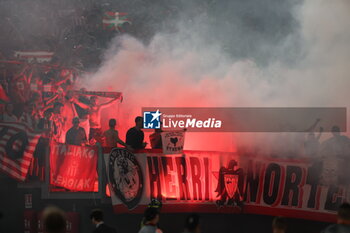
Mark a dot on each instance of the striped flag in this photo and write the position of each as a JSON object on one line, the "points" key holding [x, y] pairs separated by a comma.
{"points": [[17, 145], [47, 88]]}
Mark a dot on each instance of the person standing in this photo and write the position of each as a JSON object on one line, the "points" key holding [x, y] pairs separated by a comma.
{"points": [[112, 136], [135, 136], [279, 225], [28, 117], [343, 221], [8, 115], [156, 139], [54, 220], [58, 122], [192, 224], [94, 110], [76, 135], [83, 113], [96, 217], [68, 111], [151, 219]]}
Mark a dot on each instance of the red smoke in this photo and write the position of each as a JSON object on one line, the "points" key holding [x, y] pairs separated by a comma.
{"points": [[153, 81]]}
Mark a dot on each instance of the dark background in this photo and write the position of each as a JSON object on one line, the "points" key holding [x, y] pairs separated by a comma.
{"points": [[12, 207]]}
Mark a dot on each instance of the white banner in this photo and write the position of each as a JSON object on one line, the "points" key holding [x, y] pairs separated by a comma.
{"points": [[221, 182], [173, 142]]}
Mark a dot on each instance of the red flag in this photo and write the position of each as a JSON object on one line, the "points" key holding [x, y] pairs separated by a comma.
{"points": [[17, 145], [3, 96], [73, 167]]}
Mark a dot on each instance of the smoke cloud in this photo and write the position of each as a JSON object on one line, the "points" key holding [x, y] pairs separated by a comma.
{"points": [[232, 54]]}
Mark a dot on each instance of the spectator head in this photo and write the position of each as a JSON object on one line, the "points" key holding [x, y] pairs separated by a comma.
{"points": [[279, 225], [57, 107], [68, 82], [76, 122], [54, 220], [28, 107], [335, 130], [96, 216], [112, 123], [48, 113], [9, 108], [69, 94], [192, 223], [151, 215], [93, 100], [344, 214], [36, 97], [64, 73], [139, 122]]}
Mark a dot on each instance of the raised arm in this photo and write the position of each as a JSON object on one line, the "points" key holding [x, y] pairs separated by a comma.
{"points": [[58, 83], [320, 133], [121, 141], [108, 103], [313, 126], [80, 104], [49, 101]]}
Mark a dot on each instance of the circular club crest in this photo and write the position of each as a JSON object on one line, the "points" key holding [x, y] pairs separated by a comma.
{"points": [[125, 177]]}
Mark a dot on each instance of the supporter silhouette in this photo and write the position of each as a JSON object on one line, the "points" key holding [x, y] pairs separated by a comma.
{"points": [[58, 121], [279, 225], [94, 110], [112, 136], [46, 124], [8, 115], [68, 110], [135, 136], [151, 219], [156, 139], [96, 217], [27, 116], [192, 224], [76, 135], [337, 146], [54, 220], [343, 221], [335, 154], [82, 112]]}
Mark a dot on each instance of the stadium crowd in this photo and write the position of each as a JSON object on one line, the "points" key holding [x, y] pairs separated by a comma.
{"points": [[54, 221]]}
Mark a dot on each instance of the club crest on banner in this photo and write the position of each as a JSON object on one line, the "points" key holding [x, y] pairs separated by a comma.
{"points": [[231, 182], [228, 185], [125, 177]]}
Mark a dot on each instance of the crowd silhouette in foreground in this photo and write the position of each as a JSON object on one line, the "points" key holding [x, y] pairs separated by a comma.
{"points": [[54, 221]]}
